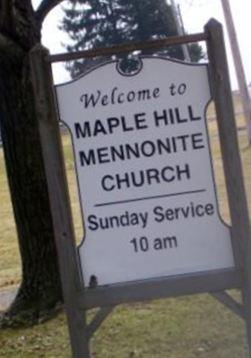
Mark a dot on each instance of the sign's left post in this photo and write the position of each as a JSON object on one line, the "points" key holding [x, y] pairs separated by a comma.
{"points": [[59, 199]]}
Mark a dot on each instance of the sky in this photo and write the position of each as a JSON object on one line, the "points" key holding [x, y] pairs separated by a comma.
{"points": [[195, 13]]}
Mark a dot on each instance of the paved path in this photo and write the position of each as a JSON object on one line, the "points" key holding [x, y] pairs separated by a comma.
{"points": [[7, 295]]}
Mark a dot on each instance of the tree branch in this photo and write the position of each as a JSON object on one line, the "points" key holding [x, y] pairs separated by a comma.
{"points": [[45, 7]]}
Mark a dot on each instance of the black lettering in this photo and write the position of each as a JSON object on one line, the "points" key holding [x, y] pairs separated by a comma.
{"points": [[151, 148], [139, 121], [83, 130], [170, 242], [197, 141], [199, 210], [103, 155], [105, 183], [182, 88], [183, 139], [191, 115], [171, 116], [152, 174], [172, 87], [90, 99], [104, 100], [113, 122], [160, 117], [164, 147], [185, 172], [157, 245], [113, 94], [144, 94], [99, 128], [130, 96], [104, 224], [114, 221], [156, 92], [87, 159], [117, 153], [177, 210], [121, 180], [92, 221], [121, 98], [158, 212], [169, 214], [192, 209], [164, 174], [124, 125], [185, 211], [174, 144], [209, 209], [136, 183], [178, 117]]}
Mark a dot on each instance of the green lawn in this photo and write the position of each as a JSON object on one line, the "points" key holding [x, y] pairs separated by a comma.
{"points": [[186, 327]]}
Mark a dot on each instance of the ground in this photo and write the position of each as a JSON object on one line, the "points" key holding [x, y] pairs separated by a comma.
{"points": [[186, 327]]}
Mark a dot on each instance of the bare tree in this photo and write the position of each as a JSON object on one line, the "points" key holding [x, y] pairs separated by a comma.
{"points": [[40, 289]]}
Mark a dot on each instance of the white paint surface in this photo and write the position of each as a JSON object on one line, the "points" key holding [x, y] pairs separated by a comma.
{"points": [[203, 243]]}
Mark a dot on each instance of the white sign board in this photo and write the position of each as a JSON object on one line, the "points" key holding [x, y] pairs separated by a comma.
{"points": [[144, 172]]}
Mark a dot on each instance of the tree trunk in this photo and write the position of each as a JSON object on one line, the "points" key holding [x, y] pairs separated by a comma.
{"points": [[40, 290]]}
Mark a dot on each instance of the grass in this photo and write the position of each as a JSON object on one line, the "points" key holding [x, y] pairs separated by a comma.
{"points": [[10, 260], [185, 327]]}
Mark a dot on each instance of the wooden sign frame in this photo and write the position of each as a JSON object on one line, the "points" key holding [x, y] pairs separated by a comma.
{"points": [[78, 299]]}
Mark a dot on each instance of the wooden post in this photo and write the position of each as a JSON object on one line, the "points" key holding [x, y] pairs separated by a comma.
{"points": [[76, 299], [59, 199], [246, 101], [231, 160]]}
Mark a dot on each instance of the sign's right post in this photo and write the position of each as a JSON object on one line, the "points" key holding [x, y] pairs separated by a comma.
{"points": [[240, 228]]}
